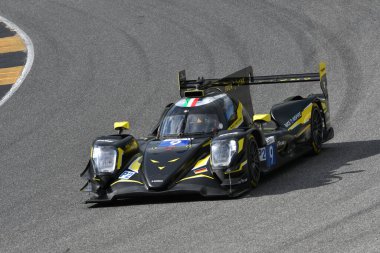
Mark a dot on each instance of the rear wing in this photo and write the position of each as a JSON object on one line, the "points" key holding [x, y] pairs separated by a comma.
{"points": [[195, 88], [294, 78]]}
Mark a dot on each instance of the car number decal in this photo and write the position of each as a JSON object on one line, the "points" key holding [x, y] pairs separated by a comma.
{"points": [[127, 174], [262, 154], [268, 154]]}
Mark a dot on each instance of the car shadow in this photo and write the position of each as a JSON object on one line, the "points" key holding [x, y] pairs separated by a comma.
{"points": [[317, 171], [305, 172]]}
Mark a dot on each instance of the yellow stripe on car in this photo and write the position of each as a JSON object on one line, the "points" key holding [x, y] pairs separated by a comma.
{"points": [[305, 117], [120, 153], [241, 144], [303, 130], [239, 119], [239, 169], [196, 176], [324, 106], [135, 165], [207, 143], [202, 162], [126, 181]]}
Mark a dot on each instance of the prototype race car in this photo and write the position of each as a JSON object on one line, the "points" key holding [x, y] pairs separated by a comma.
{"points": [[210, 142]]}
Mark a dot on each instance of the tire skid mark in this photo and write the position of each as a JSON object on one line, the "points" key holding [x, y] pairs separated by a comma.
{"points": [[300, 26], [227, 35], [136, 45], [145, 65], [219, 29], [58, 62], [301, 37], [133, 42], [352, 70], [323, 229], [165, 15]]}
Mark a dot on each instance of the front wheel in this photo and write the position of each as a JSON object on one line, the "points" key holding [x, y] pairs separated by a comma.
{"points": [[253, 163]]}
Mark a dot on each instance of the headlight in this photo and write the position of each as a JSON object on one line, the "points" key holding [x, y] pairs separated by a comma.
{"points": [[222, 152], [104, 158]]}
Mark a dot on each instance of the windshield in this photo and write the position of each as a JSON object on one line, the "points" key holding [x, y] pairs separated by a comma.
{"points": [[188, 123], [172, 125]]}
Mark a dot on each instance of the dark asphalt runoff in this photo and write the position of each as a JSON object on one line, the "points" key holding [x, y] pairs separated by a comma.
{"points": [[97, 62]]}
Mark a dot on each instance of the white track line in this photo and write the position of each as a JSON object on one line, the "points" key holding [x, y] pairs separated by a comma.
{"points": [[29, 58]]}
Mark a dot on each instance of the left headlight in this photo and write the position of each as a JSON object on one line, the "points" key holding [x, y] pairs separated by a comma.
{"points": [[222, 152], [104, 158]]}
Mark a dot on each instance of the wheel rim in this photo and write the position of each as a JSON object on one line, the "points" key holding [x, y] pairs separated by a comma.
{"points": [[317, 129]]}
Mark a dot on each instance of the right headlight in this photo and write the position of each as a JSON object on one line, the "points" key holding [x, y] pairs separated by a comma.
{"points": [[222, 152], [104, 158]]}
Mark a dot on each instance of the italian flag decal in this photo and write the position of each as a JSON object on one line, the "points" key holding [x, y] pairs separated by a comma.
{"points": [[190, 102]]}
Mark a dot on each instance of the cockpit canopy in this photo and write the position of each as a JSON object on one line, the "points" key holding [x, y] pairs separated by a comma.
{"points": [[192, 116]]}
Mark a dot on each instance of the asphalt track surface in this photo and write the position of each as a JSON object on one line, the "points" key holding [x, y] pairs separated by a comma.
{"points": [[97, 62]]}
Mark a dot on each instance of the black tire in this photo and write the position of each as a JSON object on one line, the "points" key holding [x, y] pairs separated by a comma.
{"points": [[253, 164], [316, 137]]}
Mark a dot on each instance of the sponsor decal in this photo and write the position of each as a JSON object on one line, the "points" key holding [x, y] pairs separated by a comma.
{"points": [[271, 151], [127, 174], [270, 140], [201, 170], [243, 180], [293, 119], [269, 154], [262, 154], [174, 143]]}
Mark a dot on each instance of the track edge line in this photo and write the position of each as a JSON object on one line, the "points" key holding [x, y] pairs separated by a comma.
{"points": [[29, 59]]}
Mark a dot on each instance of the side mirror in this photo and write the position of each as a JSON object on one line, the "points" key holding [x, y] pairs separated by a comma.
{"points": [[261, 119], [121, 126]]}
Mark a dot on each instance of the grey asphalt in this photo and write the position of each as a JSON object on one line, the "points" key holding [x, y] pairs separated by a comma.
{"points": [[97, 62]]}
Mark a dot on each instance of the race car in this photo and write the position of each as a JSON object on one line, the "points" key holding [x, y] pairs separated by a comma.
{"points": [[210, 142]]}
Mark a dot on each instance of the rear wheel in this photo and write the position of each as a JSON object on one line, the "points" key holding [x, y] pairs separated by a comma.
{"points": [[316, 130], [253, 163]]}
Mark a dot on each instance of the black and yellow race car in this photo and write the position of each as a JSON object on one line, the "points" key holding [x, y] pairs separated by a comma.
{"points": [[210, 142]]}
